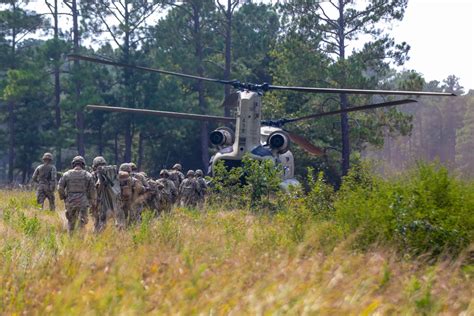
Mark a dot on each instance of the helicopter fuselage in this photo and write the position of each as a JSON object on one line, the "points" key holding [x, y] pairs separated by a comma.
{"points": [[252, 139]]}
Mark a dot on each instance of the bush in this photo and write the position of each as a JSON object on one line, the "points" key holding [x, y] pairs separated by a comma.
{"points": [[424, 211], [251, 185]]}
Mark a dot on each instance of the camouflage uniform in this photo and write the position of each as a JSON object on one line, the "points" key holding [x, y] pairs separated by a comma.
{"points": [[77, 188], [139, 176], [189, 191], [169, 192], [153, 196], [176, 175], [130, 191], [108, 189], [45, 177], [202, 187], [140, 203]]}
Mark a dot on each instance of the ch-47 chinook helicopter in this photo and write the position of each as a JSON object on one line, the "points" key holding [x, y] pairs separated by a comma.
{"points": [[260, 139]]}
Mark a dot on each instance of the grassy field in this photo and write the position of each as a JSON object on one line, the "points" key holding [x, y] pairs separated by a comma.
{"points": [[214, 262]]}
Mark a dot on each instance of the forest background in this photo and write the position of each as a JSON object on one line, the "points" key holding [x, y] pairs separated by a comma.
{"points": [[302, 43]]}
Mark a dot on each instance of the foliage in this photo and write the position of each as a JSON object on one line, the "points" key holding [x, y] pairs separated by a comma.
{"points": [[252, 184], [426, 211], [281, 44]]}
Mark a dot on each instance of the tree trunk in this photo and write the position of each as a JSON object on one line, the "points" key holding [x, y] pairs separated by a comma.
{"points": [[346, 148], [57, 87], [77, 90], [140, 151], [101, 138], [129, 98], [116, 149], [80, 132], [11, 140], [228, 53], [128, 141], [11, 115], [197, 10]]}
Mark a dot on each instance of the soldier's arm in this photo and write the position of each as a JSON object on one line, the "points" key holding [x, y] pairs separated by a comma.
{"points": [[197, 188], [35, 175], [91, 192], [62, 187], [180, 190]]}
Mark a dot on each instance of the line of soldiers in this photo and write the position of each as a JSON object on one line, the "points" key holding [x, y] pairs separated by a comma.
{"points": [[121, 193]]}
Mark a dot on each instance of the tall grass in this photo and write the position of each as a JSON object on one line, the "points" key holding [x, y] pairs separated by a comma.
{"points": [[323, 252]]}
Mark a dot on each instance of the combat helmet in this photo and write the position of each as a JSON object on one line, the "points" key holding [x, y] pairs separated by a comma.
{"points": [[164, 173], [99, 161], [125, 167], [199, 173], [190, 173], [177, 167], [47, 156], [78, 160], [133, 166]]}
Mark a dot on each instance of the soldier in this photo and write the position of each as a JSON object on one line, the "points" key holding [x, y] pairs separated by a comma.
{"points": [[153, 196], [130, 191], [45, 177], [202, 187], [77, 189], [169, 192], [139, 176], [140, 204], [176, 175], [108, 189], [189, 190]]}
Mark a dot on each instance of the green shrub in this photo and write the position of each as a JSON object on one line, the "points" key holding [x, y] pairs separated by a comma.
{"points": [[29, 225], [320, 197], [253, 184], [426, 210]]}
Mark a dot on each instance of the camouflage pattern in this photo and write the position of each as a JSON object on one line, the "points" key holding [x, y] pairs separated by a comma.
{"points": [[131, 191], [140, 177], [125, 167], [189, 191], [108, 190], [140, 203], [77, 189], [48, 156], [154, 196], [169, 192], [45, 177], [177, 177], [202, 187], [98, 161]]}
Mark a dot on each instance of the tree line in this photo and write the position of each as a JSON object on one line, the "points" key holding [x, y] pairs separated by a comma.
{"points": [[302, 42]]}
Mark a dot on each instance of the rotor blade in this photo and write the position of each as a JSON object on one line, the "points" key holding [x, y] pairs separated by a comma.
{"points": [[166, 72], [357, 108], [305, 144], [356, 91], [176, 115]]}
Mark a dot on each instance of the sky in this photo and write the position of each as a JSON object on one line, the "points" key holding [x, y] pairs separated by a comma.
{"points": [[440, 33], [441, 36]]}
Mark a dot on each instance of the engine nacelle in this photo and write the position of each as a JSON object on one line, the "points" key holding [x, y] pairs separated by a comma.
{"points": [[279, 141], [222, 136]]}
